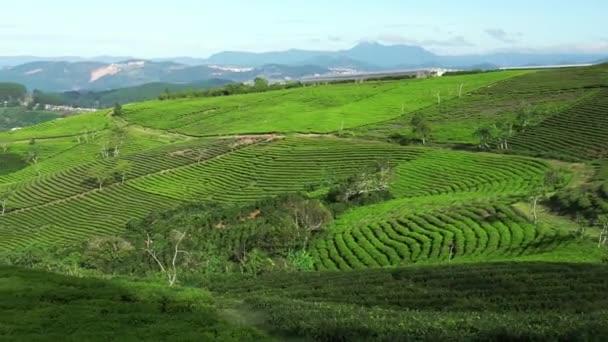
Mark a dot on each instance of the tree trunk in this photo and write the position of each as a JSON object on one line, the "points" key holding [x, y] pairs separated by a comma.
{"points": [[534, 213]]}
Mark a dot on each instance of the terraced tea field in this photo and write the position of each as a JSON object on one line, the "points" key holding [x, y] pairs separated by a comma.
{"points": [[513, 301], [316, 109], [545, 93], [220, 171], [452, 245], [440, 235], [442, 197], [577, 133]]}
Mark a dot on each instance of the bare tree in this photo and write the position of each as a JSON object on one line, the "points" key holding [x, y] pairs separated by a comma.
{"points": [[201, 153], [33, 157], [374, 180], [505, 131], [169, 269], [602, 223], [460, 90], [5, 195], [581, 222], [534, 199], [4, 145], [308, 215]]}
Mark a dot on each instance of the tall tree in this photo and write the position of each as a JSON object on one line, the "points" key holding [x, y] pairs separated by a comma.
{"points": [[420, 127], [117, 110], [485, 134], [123, 168], [101, 174], [260, 84]]}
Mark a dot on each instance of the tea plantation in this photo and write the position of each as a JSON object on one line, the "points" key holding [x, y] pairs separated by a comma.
{"points": [[326, 212]]}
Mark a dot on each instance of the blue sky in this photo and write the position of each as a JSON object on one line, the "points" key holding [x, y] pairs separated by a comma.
{"points": [[199, 28]]}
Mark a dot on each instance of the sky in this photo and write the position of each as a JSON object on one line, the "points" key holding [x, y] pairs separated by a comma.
{"points": [[199, 28]]}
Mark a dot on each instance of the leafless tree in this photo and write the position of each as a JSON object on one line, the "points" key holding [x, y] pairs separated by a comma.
{"points": [[5, 195], [170, 269], [602, 223]]}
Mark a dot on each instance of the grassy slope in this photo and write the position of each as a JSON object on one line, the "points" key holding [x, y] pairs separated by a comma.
{"points": [[318, 109], [39, 306], [546, 92], [253, 172]]}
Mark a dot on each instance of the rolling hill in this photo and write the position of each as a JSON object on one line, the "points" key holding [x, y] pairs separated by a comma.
{"points": [[453, 236]]}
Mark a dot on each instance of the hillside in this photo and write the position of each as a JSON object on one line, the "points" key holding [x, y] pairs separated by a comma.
{"points": [[502, 301], [62, 76], [432, 208], [108, 98], [15, 117], [41, 306]]}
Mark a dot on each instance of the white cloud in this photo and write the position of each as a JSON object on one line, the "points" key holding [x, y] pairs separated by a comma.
{"points": [[452, 41], [503, 36]]}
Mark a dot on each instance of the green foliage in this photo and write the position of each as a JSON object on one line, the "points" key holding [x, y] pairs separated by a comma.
{"points": [[117, 110], [40, 306], [18, 117], [252, 239], [107, 98], [260, 85], [301, 260], [11, 92], [496, 301], [589, 200]]}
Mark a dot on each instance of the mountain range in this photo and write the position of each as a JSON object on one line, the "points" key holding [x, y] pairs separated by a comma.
{"points": [[107, 72]]}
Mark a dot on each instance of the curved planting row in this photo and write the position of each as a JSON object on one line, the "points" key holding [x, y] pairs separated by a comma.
{"points": [[447, 172], [97, 214], [492, 231], [580, 132], [76, 180], [552, 80], [304, 164], [263, 170]]}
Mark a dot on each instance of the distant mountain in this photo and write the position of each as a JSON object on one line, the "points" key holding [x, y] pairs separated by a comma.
{"points": [[371, 55], [107, 98], [106, 72], [10, 61], [69, 76], [600, 61]]}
